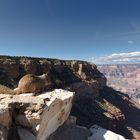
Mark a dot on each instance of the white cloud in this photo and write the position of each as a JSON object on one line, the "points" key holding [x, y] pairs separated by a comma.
{"points": [[131, 57], [130, 42]]}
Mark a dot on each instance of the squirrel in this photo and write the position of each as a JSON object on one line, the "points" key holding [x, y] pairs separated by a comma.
{"points": [[29, 83], [6, 90]]}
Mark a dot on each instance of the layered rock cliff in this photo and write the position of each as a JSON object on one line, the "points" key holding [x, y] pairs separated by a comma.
{"points": [[124, 78], [79, 76]]}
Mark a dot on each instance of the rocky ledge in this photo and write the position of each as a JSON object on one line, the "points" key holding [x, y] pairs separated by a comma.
{"points": [[69, 74], [30, 117]]}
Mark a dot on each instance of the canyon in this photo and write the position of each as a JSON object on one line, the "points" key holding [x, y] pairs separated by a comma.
{"points": [[124, 78], [94, 102]]}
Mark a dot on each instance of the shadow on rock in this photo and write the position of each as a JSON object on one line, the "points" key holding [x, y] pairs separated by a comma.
{"points": [[112, 110]]}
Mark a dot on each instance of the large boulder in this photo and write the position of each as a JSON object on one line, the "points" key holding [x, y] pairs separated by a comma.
{"points": [[33, 117]]}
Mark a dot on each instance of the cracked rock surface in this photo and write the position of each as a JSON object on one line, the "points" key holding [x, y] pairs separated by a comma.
{"points": [[33, 117]]}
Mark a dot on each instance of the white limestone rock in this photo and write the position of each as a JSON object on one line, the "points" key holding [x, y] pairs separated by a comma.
{"points": [[99, 133], [39, 115], [56, 114]]}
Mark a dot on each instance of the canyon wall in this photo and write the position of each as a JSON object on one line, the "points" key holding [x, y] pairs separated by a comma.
{"points": [[78, 76]]}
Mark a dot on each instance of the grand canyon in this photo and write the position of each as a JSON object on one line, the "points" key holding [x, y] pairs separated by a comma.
{"points": [[96, 107], [124, 78]]}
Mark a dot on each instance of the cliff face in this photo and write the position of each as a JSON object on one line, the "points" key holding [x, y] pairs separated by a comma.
{"points": [[119, 70], [73, 75], [124, 78]]}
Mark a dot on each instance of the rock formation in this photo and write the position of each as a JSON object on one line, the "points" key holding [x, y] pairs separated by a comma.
{"points": [[94, 102], [75, 132], [124, 78], [63, 74], [33, 117], [99, 133]]}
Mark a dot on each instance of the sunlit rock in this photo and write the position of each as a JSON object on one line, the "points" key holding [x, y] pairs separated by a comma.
{"points": [[99, 133], [34, 116]]}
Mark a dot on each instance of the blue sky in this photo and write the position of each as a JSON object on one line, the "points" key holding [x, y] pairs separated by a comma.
{"points": [[69, 29]]}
